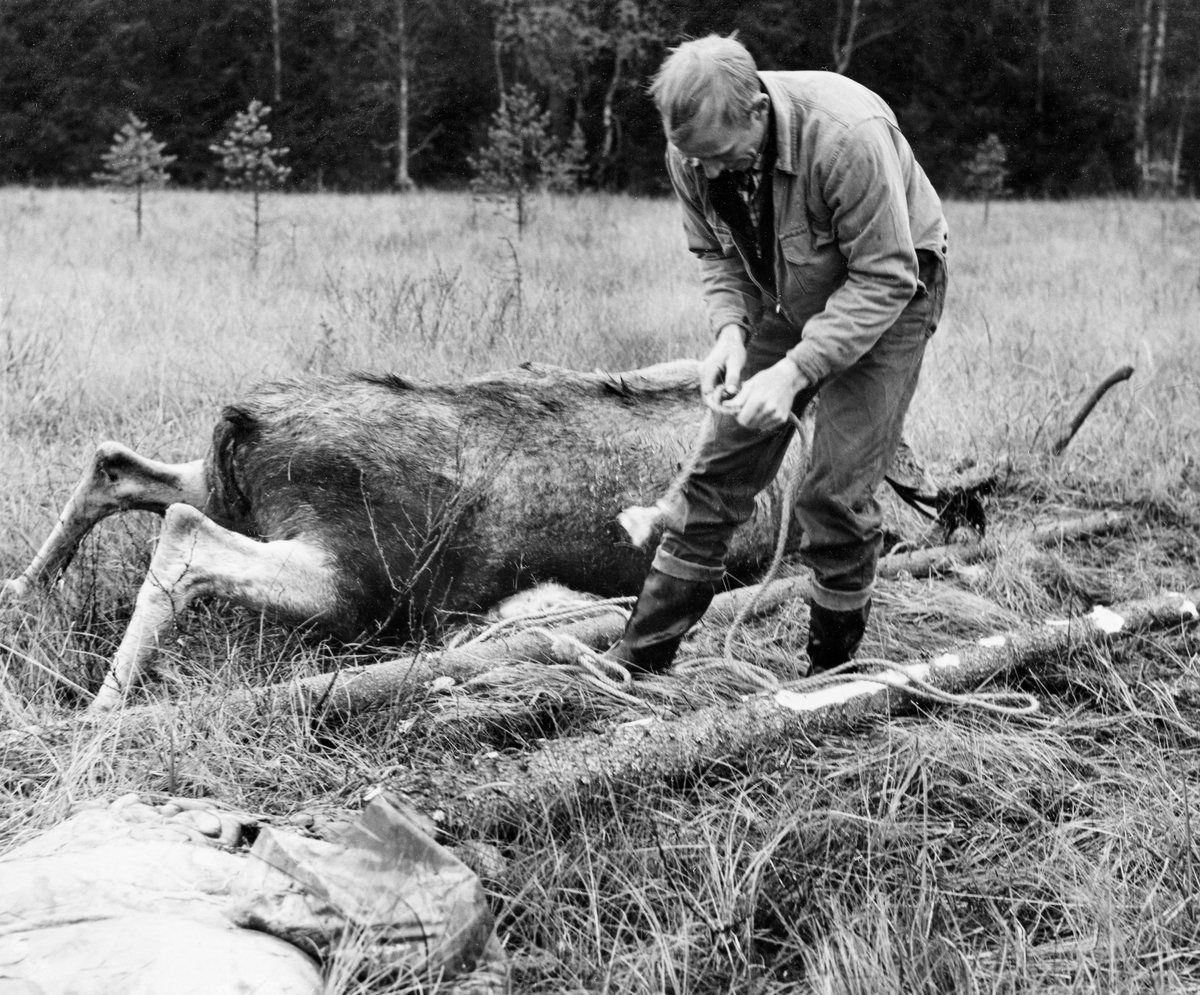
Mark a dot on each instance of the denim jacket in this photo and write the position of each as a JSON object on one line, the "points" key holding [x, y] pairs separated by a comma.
{"points": [[852, 206]]}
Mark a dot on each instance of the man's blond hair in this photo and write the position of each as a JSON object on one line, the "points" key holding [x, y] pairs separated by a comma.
{"points": [[703, 77]]}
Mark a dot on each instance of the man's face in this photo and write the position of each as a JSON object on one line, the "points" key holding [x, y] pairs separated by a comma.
{"points": [[720, 147]]}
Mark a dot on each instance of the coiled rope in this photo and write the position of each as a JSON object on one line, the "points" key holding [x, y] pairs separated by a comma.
{"points": [[562, 613], [610, 676]]}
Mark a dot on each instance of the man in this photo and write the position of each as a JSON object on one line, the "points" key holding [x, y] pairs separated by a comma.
{"points": [[822, 248]]}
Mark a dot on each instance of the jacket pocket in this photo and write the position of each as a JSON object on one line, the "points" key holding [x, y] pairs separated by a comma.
{"points": [[725, 237], [816, 271]]}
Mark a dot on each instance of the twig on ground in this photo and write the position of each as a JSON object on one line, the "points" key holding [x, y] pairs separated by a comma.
{"points": [[1116, 377]]}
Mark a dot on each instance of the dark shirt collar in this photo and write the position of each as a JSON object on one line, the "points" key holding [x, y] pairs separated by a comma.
{"points": [[764, 162]]}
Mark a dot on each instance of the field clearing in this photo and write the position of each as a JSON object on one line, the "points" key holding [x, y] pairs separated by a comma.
{"points": [[941, 850]]}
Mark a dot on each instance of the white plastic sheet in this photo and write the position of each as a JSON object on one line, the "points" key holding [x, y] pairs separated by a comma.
{"points": [[134, 899]]}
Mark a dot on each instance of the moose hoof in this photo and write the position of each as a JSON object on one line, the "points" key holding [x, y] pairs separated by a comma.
{"points": [[107, 698], [13, 590]]}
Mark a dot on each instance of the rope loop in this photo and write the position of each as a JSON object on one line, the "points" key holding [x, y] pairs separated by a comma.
{"points": [[563, 613], [1007, 703], [610, 676], [749, 675]]}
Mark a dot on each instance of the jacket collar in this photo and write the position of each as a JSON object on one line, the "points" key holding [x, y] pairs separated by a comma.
{"points": [[785, 122]]}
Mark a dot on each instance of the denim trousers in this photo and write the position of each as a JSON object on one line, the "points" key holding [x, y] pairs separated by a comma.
{"points": [[857, 427]]}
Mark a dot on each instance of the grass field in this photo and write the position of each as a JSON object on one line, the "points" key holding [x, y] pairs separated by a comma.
{"points": [[943, 850]]}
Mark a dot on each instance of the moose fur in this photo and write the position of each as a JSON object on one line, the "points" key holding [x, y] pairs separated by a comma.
{"points": [[365, 505]]}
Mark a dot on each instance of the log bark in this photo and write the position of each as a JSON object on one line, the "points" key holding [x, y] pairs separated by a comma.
{"points": [[353, 690], [937, 560], [487, 794]]}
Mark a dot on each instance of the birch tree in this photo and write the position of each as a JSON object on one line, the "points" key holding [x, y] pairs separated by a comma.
{"points": [[407, 46], [277, 54], [579, 52], [403, 70], [626, 36], [848, 19], [1152, 39], [1043, 51]]}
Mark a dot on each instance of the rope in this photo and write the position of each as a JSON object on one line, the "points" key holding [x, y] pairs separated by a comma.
{"points": [[601, 671], [741, 668], [560, 614], [919, 689], [609, 673], [755, 677], [764, 680], [610, 676]]}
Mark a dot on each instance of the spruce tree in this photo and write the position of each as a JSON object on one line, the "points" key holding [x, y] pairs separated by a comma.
{"points": [[521, 154], [986, 171], [134, 162], [249, 161]]}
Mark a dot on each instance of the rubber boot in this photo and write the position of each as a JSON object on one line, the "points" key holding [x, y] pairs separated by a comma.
{"points": [[666, 609], [834, 636]]}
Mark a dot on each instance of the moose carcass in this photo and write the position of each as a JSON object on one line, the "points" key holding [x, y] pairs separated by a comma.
{"points": [[367, 505]]}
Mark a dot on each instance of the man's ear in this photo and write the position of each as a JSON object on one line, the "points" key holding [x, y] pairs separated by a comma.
{"points": [[761, 103]]}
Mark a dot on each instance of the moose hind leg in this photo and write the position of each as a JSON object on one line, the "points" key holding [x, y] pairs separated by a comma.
{"points": [[118, 479], [289, 579]]}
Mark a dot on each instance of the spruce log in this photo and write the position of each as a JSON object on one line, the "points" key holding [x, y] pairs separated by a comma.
{"points": [[357, 689], [351, 690], [943, 559], [487, 794]]}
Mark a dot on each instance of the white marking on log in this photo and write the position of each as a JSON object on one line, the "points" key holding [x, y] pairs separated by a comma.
{"points": [[1106, 620], [993, 642], [835, 694], [948, 660], [917, 671], [1058, 623], [1187, 607]]}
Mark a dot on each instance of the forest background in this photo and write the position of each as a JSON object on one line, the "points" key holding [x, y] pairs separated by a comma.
{"points": [[1087, 96]]}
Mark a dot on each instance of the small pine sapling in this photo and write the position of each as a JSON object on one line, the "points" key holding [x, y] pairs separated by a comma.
{"points": [[986, 171], [521, 155], [250, 162], [134, 162]]}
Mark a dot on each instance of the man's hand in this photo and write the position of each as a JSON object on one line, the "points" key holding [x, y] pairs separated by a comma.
{"points": [[765, 400], [721, 369]]}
